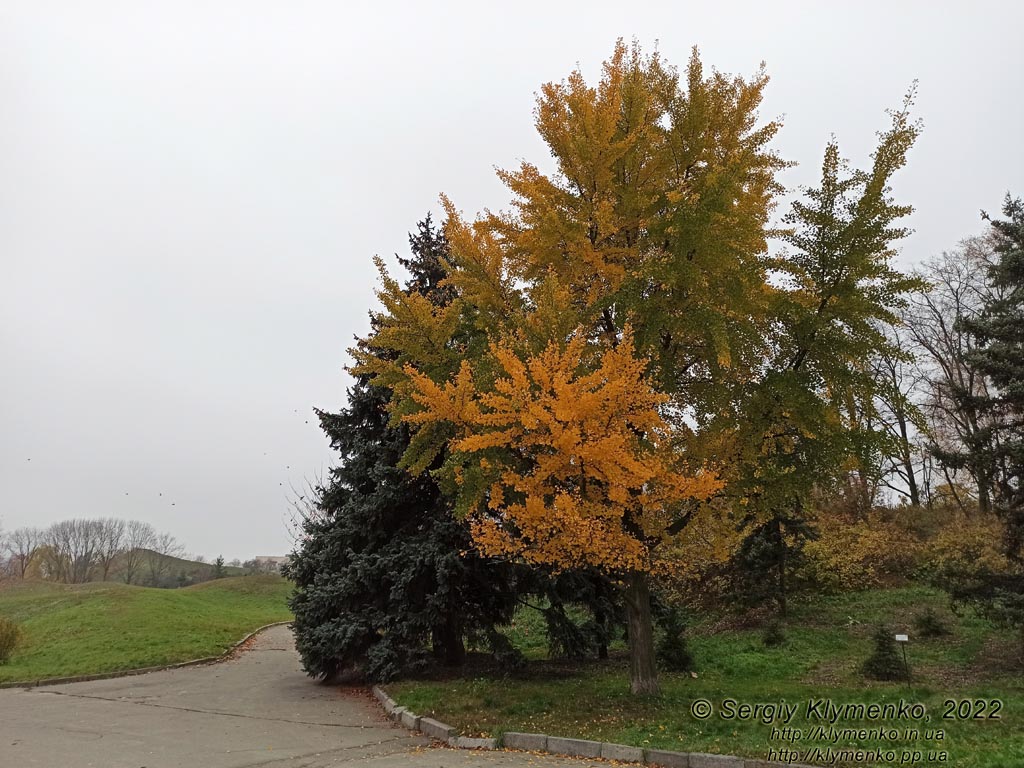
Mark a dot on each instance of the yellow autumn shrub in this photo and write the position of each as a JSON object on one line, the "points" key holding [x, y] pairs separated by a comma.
{"points": [[881, 548], [964, 544]]}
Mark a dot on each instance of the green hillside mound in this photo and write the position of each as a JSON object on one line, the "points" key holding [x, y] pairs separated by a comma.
{"points": [[263, 584], [79, 629], [168, 571]]}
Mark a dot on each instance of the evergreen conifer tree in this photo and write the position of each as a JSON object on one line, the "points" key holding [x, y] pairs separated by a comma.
{"points": [[384, 569], [885, 662], [1000, 355], [999, 593]]}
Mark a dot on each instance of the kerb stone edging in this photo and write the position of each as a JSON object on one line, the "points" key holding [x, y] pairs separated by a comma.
{"points": [[139, 670], [556, 745]]}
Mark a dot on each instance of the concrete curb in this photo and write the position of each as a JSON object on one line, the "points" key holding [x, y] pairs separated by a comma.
{"points": [[139, 670], [557, 745]]}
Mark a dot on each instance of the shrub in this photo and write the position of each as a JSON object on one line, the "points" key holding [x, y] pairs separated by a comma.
{"points": [[773, 635], [871, 552], [10, 637], [964, 546], [930, 624], [885, 663], [673, 650]]}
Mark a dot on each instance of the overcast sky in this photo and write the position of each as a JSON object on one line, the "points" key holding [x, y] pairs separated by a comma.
{"points": [[191, 194]]}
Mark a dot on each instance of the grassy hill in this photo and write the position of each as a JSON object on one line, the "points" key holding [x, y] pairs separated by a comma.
{"points": [[174, 571], [103, 627]]}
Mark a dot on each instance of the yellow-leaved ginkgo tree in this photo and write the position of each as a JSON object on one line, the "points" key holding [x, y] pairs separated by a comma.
{"points": [[567, 463], [596, 327]]}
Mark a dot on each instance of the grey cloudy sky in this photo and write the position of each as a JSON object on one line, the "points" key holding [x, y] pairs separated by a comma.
{"points": [[191, 193]]}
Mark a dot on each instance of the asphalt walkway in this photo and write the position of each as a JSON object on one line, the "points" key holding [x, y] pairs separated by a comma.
{"points": [[258, 709]]}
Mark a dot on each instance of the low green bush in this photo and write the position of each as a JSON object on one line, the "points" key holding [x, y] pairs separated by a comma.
{"points": [[773, 635], [930, 624], [673, 650], [10, 637]]}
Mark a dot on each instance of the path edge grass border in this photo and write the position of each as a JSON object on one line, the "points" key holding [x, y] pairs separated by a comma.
{"points": [[565, 747], [140, 670]]}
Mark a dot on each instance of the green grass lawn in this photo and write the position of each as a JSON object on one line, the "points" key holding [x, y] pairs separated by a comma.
{"points": [[827, 639], [103, 627]]}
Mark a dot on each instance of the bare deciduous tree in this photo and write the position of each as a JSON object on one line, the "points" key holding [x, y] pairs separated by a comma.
{"points": [[22, 546], [162, 550], [110, 545], [138, 540], [71, 549], [900, 384], [952, 383]]}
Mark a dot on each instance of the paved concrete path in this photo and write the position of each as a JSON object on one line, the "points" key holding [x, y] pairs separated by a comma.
{"points": [[258, 709]]}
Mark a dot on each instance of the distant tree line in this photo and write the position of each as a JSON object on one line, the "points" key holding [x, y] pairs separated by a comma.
{"points": [[95, 549]]}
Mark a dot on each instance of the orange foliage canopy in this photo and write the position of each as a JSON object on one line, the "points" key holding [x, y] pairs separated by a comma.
{"points": [[563, 467]]}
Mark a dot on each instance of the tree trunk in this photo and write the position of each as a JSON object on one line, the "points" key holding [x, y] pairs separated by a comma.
{"points": [[783, 555], [952, 489], [449, 647], [643, 670], [603, 621], [984, 499], [915, 493], [782, 574], [782, 587], [908, 460]]}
